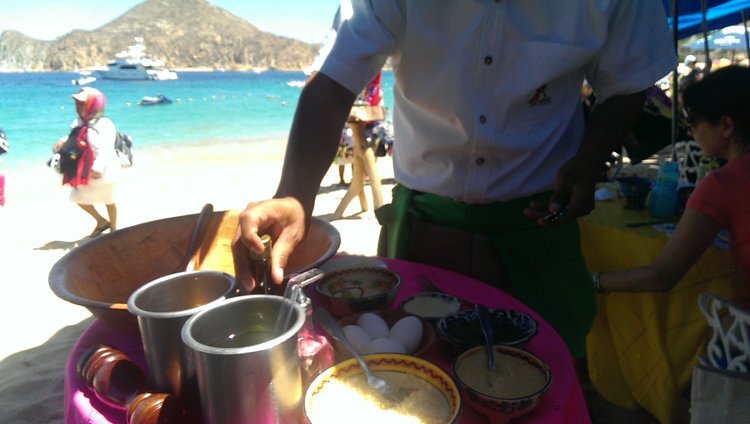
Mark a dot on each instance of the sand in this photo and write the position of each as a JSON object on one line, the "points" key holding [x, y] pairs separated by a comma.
{"points": [[38, 225]]}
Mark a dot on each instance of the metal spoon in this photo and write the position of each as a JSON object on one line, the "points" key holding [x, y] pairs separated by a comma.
{"points": [[386, 392], [199, 231], [485, 321]]}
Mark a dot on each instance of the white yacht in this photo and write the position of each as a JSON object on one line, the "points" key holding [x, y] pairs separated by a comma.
{"points": [[134, 65]]}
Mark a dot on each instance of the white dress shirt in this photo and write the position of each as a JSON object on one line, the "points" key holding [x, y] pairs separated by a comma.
{"points": [[487, 92]]}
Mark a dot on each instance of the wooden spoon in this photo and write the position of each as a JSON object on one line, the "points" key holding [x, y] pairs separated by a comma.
{"points": [[199, 232]]}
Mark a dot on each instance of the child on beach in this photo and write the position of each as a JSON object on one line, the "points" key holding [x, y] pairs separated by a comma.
{"points": [[717, 111], [93, 181]]}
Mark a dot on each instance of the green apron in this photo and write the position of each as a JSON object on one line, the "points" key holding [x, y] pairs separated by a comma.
{"points": [[545, 264]]}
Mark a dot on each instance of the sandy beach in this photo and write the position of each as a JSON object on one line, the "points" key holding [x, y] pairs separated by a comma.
{"points": [[38, 225]]}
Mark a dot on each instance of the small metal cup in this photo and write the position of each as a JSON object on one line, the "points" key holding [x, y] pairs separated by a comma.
{"points": [[162, 307], [248, 369]]}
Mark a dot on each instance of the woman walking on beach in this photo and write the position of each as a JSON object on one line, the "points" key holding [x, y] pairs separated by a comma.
{"points": [[93, 179]]}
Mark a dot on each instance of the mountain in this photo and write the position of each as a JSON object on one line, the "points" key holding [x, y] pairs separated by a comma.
{"points": [[182, 33]]}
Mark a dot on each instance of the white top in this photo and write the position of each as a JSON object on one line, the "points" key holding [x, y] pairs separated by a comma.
{"points": [[102, 135], [487, 92]]}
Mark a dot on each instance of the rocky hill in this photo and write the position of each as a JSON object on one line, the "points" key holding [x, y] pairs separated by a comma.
{"points": [[182, 33]]}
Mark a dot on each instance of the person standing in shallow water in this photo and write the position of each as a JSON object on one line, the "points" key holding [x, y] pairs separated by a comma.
{"points": [[98, 167]]}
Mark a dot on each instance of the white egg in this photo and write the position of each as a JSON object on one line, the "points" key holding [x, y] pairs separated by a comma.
{"points": [[357, 337], [385, 344], [408, 332], [375, 326]]}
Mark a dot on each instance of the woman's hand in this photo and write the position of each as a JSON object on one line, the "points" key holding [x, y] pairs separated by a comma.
{"points": [[58, 145]]}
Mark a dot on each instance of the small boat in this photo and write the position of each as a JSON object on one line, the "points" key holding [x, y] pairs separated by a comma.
{"points": [[84, 77], [155, 100]]}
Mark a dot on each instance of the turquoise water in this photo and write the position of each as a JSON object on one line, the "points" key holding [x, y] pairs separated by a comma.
{"points": [[208, 108]]}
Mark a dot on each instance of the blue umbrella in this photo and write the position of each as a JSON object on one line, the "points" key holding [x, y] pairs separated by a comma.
{"points": [[730, 38]]}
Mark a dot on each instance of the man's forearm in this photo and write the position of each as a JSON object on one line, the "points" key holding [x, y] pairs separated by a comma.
{"points": [[608, 123], [320, 116]]}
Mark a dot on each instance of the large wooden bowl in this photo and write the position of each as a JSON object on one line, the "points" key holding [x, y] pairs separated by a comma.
{"points": [[102, 273]]}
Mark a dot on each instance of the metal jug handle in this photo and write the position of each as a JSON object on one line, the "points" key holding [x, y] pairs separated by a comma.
{"points": [[293, 292]]}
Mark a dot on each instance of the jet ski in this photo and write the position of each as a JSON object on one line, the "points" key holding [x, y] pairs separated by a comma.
{"points": [[154, 100]]}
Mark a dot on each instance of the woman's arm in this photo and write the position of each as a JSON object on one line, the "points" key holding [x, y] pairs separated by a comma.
{"points": [[693, 235]]}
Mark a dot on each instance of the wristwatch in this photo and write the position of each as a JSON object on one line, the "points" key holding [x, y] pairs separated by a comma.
{"points": [[597, 284]]}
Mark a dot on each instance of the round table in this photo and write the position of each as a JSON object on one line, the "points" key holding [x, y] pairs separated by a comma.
{"points": [[564, 403]]}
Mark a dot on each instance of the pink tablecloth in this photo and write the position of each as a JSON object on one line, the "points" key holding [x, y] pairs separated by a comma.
{"points": [[563, 404]]}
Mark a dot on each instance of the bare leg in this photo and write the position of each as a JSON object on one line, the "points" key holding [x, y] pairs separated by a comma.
{"points": [[101, 222], [367, 156], [112, 212], [341, 175], [356, 188], [91, 210]]}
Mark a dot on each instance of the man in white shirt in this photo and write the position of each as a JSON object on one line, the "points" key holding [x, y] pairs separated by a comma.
{"points": [[490, 137]]}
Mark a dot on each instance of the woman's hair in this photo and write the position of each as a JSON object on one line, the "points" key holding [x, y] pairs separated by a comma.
{"points": [[719, 93]]}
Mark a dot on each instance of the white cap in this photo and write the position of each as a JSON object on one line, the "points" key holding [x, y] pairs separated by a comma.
{"points": [[83, 94], [689, 59]]}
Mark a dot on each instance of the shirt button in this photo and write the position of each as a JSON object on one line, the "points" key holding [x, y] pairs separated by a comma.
{"points": [[488, 60], [482, 119], [479, 161]]}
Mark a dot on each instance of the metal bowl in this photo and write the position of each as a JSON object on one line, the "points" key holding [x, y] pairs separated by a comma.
{"points": [[102, 274]]}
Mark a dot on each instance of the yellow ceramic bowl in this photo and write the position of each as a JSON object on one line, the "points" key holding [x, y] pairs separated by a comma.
{"points": [[437, 397], [515, 387]]}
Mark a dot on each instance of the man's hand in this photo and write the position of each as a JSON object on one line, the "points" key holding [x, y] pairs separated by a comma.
{"points": [[284, 220], [573, 195], [575, 182]]}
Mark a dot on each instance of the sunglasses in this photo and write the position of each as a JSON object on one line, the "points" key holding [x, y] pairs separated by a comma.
{"points": [[691, 120]]}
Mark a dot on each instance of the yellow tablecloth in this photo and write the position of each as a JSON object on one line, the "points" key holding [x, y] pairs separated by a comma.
{"points": [[642, 347]]}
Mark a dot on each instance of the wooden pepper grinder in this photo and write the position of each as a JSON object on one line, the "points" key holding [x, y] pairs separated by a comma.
{"points": [[119, 382]]}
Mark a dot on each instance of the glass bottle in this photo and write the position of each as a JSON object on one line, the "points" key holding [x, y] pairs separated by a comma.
{"points": [[314, 350], [260, 267], [663, 199]]}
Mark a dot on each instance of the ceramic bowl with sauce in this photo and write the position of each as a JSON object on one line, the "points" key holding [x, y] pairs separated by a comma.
{"points": [[340, 394], [351, 290], [514, 388], [462, 329], [431, 305]]}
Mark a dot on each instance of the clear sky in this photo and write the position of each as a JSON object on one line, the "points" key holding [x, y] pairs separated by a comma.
{"points": [[306, 20]]}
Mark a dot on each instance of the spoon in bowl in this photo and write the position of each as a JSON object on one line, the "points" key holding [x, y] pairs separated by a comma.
{"points": [[386, 392], [485, 321]]}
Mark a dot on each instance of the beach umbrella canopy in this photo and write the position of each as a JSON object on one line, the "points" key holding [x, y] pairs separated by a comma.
{"points": [[730, 38], [719, 14]]}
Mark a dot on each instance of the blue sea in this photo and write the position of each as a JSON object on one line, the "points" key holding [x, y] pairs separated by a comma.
{"points": [[208, 108]]}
